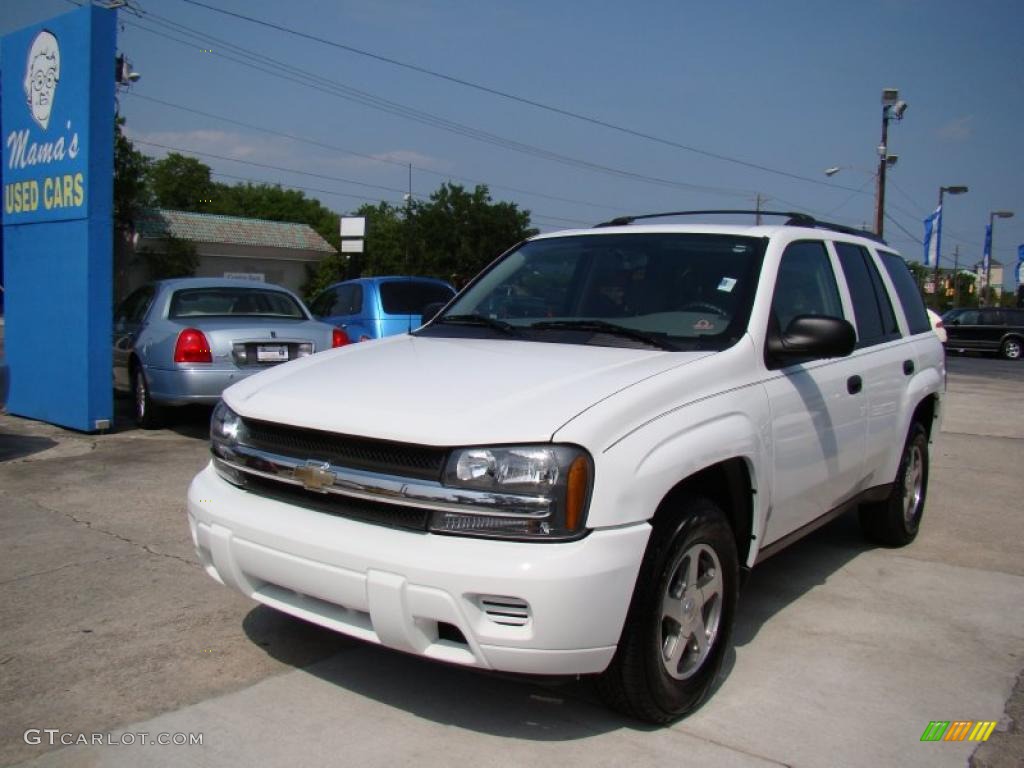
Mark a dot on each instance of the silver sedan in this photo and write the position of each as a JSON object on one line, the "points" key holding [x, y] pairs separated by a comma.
{"points": [[183, 341]]}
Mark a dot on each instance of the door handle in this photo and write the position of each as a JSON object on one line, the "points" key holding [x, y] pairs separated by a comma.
{"points": [[854, 384], [908, 367]]}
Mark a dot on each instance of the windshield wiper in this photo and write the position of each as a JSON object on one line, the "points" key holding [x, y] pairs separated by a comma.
{"points": [[600, 326], [482, 320]]}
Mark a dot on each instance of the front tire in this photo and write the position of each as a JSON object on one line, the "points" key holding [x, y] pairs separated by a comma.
{"points": [[680, 620], [1012, 348], [896, 521]]}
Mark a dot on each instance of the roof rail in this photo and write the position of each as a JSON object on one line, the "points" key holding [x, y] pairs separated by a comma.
{"points": [[793, 219]]}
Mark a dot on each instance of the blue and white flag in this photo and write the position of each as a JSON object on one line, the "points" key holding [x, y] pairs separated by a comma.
{"points": [[933, 237], [986, 257], [1020, 264]]}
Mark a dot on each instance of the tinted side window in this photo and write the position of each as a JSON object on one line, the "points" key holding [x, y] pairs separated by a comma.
{"points": [[343, 300], [875, 319], [992, 317], [806, 284], [133, 308], [409, 297], [906, 290], [321, 306]]}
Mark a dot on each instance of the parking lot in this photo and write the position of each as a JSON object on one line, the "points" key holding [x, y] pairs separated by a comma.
{"points": [[843, 652]]}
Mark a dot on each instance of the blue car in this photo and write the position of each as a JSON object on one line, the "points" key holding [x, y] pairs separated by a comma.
{"points": [[374, 307]]}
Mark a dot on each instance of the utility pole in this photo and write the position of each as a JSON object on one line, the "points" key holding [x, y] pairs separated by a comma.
{"points": [[892, 108], [880, 195], [408, 222], [956, 275], [757, 207], [953, 190]]}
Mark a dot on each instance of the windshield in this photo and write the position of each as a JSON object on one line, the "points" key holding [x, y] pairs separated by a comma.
{"points": [[247, 302], [676, 291]]}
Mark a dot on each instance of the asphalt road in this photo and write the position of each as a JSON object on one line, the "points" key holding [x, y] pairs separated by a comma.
{"points": [[843, 652]]}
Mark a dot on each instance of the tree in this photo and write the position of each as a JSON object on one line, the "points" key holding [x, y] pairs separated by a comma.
{"points": [[177, 258], [459, 233], [181, 183], [131, 197], [131, 192]]}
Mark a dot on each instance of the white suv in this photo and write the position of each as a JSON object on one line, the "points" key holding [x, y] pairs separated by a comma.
{"points": [[568, 469]]}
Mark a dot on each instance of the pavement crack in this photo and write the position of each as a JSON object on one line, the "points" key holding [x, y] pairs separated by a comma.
{"points": [[732, 747], [48, 571], [144, 547]]}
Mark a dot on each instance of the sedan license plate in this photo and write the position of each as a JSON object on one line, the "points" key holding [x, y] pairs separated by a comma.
{"points": [[271, 353]]}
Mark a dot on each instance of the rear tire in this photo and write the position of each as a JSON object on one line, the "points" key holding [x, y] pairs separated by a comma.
{"points": [[896, 521], [1012, 348], [680, 619], [148, 415]]}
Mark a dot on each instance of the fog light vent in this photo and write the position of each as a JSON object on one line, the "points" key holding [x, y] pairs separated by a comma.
{"points": [[507, 611]]}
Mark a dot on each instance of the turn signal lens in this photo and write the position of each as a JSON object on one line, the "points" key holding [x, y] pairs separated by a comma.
{"points": [[339, 338], [192, 347], [577, 485]]}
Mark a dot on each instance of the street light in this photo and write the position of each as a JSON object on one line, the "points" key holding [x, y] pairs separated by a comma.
{"points": [[954, 190], [892, 108], [988, 256]]}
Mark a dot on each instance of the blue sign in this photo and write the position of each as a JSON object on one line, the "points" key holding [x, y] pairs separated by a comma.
{"points": [[45, 123], [57, 118]]}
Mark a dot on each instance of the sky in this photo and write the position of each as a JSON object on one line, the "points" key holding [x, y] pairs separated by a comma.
{"points": [[731, 100]]}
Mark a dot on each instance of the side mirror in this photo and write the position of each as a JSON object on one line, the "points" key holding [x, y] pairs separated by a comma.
{"points": [[810, 337], [430, 311]]}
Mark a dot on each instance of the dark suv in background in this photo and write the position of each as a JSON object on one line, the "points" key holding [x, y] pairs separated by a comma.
{"points": [[988, 329]]}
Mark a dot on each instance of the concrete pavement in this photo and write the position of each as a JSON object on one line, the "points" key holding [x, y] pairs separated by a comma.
{"points": [[843, 653]]}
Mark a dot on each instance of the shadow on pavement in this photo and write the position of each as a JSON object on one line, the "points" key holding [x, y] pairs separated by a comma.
{"points": [[794, 571], [20, 446], [188, 420], [499, 705], [524, 707]]}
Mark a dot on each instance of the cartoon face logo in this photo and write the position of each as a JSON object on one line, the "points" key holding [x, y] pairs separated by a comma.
{"points": [[42, 73]]}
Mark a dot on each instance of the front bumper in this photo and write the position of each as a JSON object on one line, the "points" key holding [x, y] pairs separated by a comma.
{"points": [[535, 608]]}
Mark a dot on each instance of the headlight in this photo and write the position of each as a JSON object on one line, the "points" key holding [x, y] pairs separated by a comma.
{"points": [[560, 474], [226, 429]]}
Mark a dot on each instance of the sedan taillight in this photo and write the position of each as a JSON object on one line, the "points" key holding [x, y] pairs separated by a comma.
{"points": [[339, 338], [192, 347]]}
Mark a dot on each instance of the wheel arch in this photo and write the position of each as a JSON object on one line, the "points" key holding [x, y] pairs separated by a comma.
{"points": [[926, 412], [728, 483]]}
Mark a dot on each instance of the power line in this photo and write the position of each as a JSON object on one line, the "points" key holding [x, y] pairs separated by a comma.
{"points": [[510, 96], [273, 167], [335, 88], [334, 147], [319, 176]]}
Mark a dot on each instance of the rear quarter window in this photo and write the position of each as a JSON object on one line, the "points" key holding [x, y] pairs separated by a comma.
{"points": [[906, 292], [409, 297]]}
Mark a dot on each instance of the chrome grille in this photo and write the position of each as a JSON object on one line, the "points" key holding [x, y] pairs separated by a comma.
{"points": [[400, 459], [378, 513]]}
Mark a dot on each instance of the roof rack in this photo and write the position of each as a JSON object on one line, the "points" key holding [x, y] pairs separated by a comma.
{"points": [[793, 219]]}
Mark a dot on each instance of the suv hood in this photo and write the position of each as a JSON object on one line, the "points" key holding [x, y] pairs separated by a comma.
{"points": [[438, 391]]}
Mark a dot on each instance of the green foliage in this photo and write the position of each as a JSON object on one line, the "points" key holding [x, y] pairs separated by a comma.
{"points": [[453, 235], [459, 233], [131, 192], [177, 258], [181, 183]]}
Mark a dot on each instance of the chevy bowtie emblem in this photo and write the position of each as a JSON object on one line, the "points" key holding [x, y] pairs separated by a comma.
{"points": [[314, 476]]}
